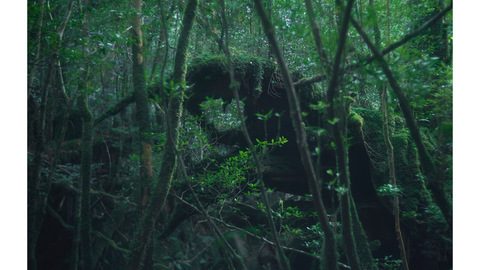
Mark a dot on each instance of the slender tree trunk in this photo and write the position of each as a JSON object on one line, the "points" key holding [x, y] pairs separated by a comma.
{"points": [[434, 179], [317, 36], [336, 114], [85, 175], [35, 176], [330, 249], [159, 194], [82, 235], [392, 176], [388, 143], [281, 257], [75, 252], [163, 39], [35, 63], [367, 60], [142, 107], [36, 201]]}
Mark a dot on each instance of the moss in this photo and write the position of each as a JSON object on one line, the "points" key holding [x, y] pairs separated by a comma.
{"points": [[356, 120], [243, 64]]}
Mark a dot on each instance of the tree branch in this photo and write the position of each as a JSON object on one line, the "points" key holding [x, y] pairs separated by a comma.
{"points": [[117, 108], [387, 50], [330, 255], [426, 162]]}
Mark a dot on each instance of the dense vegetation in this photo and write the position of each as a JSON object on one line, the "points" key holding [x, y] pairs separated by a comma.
{"points": [[265, 134]]}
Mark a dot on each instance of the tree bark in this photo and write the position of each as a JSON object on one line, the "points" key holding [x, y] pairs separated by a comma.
{"points": [[330, 249], [142, 107], [165, 178]]}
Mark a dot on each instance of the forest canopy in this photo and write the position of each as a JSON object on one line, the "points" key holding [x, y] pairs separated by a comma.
{"points": [[264, 134]]}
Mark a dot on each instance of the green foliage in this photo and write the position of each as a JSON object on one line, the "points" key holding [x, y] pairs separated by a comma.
{"points": [[320, 106], [264, 117], [314, 238], [194, 141], [231, 173], [356, 120], [389, 190], [388, 263], [224, 176], [264, 145], [223, 118]]}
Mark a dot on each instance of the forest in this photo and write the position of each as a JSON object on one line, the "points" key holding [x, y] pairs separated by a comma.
{"points": [[239, 134]]}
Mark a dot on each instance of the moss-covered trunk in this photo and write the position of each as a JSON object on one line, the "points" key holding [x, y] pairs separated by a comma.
{"points": [[174, 113], [142, 106]]}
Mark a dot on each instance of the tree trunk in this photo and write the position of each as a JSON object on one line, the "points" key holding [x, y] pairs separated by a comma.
{"points": [[388, 143], [174, 114], [434, 179], [37, 202], [336, 114], [86, 156], [330, 249], [142, 107], [85, 175], [280, 254], [392, 175]]}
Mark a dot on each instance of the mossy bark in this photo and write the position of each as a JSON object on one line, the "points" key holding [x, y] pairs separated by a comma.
{"points": [[142, 118], [330, 249], [142, 107], [145, 228]]}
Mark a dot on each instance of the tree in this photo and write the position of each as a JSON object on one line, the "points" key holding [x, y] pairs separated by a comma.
{"points": [[262, 134], [330, 250], [174, 113]]}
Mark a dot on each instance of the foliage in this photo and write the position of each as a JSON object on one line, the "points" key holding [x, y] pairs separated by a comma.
{"points": [[223, 118], [210, 142], [388, 263], [230, 174], [389, 190]]}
